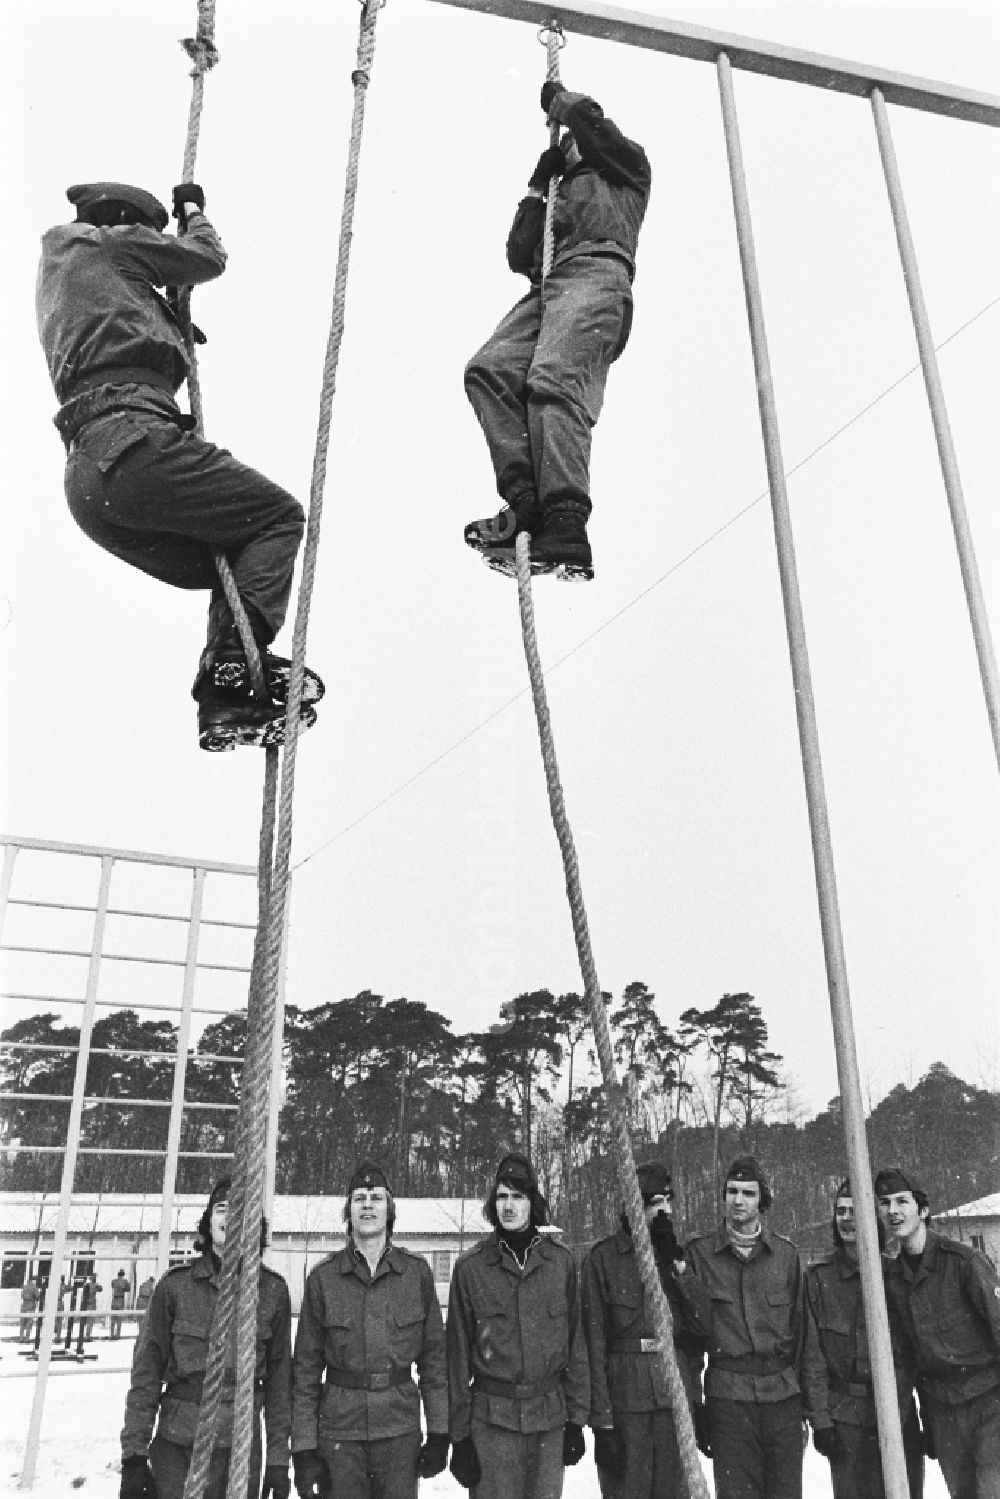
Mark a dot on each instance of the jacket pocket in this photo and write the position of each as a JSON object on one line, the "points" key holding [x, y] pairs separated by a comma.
{"points": [[110, 440], [406, 1332], [190, 1346]]}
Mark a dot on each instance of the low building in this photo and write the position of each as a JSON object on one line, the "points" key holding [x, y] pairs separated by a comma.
{"points": [[109, 1232], [976, 1223]]}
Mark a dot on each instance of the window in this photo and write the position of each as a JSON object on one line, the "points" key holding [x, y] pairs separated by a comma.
{"points": [[13, 1274], [978, 1242], [441, 1265]]}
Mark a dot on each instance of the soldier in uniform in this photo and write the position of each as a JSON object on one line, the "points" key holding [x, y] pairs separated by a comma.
{"points": [[168, 1370], [518, 1387], [749, 1283], [119, 1300], [946, 1297], [369, 1313], [635, 1442], [837, 1371]]}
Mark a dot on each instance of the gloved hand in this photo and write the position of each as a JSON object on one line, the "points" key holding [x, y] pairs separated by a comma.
{"points": [[610, 1452], [701, 1430], [550, 88], [551, 163], [137, 1479], [465, 1463], [277, 1484], [433, 1455], [927, 1441], [826, 1440], [573, 1444], [187, 192], [312, 1476], [661, 1231]]}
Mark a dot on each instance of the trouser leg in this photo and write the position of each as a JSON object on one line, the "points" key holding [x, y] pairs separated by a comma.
{"points": [[856, 1471], [496, 385], [518, 1464], [170, 1462], [585, 306], [392, 1464], [170, 502], [738, 1463], [967, 1438]]}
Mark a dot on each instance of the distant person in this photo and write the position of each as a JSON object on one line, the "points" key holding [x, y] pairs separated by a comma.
{"points": [[60, 1304], [837, 1371], [88, 1306], [537, 384], [370, 1317], [635, 1439], [144, 1293], [30, 1298], [168, 1369], [946, 1296], [519, 1392], [119, 1301], [139, 481], [750, 1284]]}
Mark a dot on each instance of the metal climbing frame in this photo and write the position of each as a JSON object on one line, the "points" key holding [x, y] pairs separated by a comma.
{"points": [[46, 871], [727, 52]]}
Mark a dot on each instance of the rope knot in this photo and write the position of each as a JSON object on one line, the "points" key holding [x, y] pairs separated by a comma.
{"points": [[360, 76], [203, 53]]}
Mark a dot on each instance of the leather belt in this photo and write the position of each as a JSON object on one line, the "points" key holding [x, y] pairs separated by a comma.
{"points": [[117, 374], [485, 1384], [351, 1379]]}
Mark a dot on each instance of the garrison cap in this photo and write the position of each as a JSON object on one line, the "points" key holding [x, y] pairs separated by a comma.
{"points": [[220, 1192], [844, 1190], [517, 1172], [892, 1179], [86, 195], [367, 1173], [745, 1169], [654, 1179]]}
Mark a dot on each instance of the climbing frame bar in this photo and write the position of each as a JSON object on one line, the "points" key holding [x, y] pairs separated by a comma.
{"points": [[876, 1317], [939, 417], [656, 34]]}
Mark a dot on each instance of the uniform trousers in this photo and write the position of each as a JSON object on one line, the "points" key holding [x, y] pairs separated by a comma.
{"points": [[967, 1438], [385, 1468], [170, 1462], [537, 384], [756, 1449], [518, 1464], [653, 1467], [166, 501], [856, 1471]]}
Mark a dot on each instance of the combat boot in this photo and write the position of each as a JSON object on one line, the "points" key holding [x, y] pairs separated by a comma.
{"points": [[561, 546], [493, 537], [224, 666], [226, 720]]}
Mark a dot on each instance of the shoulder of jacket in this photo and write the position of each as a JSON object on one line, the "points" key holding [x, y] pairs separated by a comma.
{"points": [[786, 1243], [273, 1274], [945, 1245], [468, 1256], [411, 1255], [176, 1270]]}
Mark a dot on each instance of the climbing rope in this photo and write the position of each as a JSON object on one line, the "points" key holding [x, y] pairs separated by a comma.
{"points": [[620, 1140], [238, 1290]]}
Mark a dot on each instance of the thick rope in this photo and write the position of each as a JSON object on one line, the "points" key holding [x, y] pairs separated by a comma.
{"points": [[620, 1139]]}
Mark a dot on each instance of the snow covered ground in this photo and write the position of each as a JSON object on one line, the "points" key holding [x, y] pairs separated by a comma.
{"points": [[83, 1412]]}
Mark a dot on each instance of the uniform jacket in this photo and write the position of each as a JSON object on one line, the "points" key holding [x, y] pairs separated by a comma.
{"points": [[172, 1352], [96, 301], [755, 1313], [519, 1326], [949, 1313], [30, 1296], [368, 1324], [836, 1348], [119, 1292], [600, 204], [615, 1312]]}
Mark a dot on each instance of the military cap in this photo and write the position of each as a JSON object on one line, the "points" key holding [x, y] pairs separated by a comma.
{"points": [[654, 1179], [86, 195], [517, 1172], [745, 1169], [367, 1173], [892, 1179]]}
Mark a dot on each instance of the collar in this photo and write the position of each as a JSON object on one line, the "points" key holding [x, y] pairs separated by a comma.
{"points": [[721, 1240], [352, 1257], [503, 1255], [847, 1268], [204, 1269]]}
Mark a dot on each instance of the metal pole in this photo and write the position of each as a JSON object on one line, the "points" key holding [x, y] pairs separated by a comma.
{"points": [[9, 855], [180, 1074], [876, 1318], [68, 1176], [942, 427]]}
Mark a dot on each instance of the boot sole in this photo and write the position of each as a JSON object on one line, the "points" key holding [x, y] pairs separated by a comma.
{"points": [[565, 572], [219, 738], [234, 677]]}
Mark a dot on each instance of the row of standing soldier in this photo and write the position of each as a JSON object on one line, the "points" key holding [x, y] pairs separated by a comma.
{"points": [[533, 1352]]}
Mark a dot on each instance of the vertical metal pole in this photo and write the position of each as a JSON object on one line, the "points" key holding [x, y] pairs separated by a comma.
{"points": [[68, 1176], [180, 1075], [942, 427], [9, 855], [887, 1409], [277, 1062]]}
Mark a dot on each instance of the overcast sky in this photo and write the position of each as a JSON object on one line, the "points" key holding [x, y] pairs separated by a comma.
{"points": [[425, 862]]}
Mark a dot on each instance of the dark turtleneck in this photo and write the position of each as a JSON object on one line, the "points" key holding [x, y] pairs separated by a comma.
{"points": [[519, 1242]]}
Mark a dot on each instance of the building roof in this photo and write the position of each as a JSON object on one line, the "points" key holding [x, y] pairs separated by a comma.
{"points": [[982, 1207], [117, 1213]]}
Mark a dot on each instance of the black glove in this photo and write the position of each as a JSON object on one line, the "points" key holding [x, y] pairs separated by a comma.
{"points": [[550, 88], [465, 1463], [573, 1444], [277, 1484], [187, 192], [137, 1479], [826, 1440], [661, 1231], [610, 1452], [551, 163], [312, 1476], [701, 1430], [433, 1455], [927, 1441]]}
